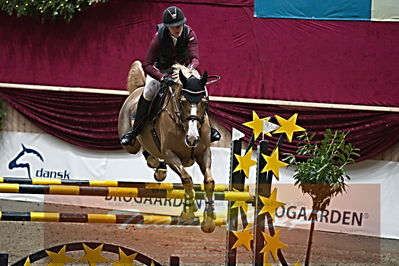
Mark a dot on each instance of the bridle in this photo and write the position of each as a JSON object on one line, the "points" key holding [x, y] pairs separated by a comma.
{"points": [[178, 118]]}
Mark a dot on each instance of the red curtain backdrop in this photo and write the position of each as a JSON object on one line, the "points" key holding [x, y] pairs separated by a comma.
{"points": [[281, 59], [90, 120], [371, 132], [82, 119]]}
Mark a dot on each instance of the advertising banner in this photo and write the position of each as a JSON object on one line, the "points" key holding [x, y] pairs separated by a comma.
{"points": [[359, 10], [367, 207]]}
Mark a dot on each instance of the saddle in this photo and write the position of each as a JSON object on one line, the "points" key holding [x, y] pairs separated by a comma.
{"points": [[157, 103], [155, 109]]}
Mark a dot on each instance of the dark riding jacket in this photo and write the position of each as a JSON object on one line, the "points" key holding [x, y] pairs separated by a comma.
{"points": [[162, 53]]}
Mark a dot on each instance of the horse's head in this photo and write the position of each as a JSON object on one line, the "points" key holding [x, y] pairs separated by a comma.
{"points": [[193, 102]]}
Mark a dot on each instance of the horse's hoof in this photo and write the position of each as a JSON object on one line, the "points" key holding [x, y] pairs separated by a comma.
{"points": [[208, 228], [160, 174], [152, 162], [208, 224]]}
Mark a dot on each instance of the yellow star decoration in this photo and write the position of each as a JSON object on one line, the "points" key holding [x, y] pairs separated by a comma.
{"points": [[243, 238], [256, 124], [273, 163], [266, 260], [270, 204], [242, 204], [244, 162], [297, 263], [288, 126], [60, 258], [125, 260], [93, 255], [27, 262], [272, 244]]}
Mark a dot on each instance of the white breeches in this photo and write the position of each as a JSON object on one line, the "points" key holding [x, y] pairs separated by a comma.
{"points": [[151, 87]]}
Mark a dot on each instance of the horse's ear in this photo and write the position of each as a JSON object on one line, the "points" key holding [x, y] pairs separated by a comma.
{"points": [[183, 78], [204, 79]]}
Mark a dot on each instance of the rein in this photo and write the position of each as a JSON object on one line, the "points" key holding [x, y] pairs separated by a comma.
{"points": [[179, 120], [177, 115]]}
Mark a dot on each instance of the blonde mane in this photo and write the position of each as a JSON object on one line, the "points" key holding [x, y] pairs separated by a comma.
{"points": [[187, 72], [136, 76]]}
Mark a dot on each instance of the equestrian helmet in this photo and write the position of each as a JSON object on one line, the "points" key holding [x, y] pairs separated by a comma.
{"points": [[173, 16]]}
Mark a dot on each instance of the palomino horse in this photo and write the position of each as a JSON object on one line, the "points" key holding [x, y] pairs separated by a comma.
{"points": [[182, 133]]}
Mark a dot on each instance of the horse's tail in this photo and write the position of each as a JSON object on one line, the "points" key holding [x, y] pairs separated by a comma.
{"points": [[136, 77]]}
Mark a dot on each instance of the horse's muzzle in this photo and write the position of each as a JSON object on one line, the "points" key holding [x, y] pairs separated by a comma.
{"points": [[192, 135], [192, 141]]}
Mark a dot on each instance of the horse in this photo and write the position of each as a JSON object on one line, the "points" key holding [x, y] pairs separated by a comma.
{"points": [[178, 135]]}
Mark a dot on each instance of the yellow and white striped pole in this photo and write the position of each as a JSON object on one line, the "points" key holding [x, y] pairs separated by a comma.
{"points": [[102, 218], [119, 192]]}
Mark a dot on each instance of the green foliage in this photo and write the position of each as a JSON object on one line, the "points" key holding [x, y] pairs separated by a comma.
{"points": [[65, 9], [322, 174]]}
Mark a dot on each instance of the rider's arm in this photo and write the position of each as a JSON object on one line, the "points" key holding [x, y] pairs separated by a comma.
{"points": [[193, 50], [151, 58]]}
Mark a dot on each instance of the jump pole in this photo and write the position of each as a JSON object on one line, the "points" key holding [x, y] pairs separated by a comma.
{"points": [[119, 192], [101, 183], [263, 188], [237, 180], [102, 218]]}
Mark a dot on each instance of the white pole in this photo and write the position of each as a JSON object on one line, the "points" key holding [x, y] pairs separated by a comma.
{"points": [[212, 98]]}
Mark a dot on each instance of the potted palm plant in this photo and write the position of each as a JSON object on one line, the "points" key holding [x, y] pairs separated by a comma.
{"points": [[320, 170]]}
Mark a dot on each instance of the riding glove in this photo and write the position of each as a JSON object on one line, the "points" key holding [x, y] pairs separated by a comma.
{"points": [[168, 80]]}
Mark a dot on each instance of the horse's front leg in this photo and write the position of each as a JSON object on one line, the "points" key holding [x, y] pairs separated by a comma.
{"points": [[204, 161], [189, 204]]}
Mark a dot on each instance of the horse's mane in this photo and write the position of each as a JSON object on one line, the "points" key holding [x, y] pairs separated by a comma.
{"points": [[187, 72], [136, 76]]}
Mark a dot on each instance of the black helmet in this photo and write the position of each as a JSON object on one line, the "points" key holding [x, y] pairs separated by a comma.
{"points": [[173, 16]]}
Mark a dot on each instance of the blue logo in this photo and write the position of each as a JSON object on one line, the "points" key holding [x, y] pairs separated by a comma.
{"points": [[25, 151], [23, 160]]}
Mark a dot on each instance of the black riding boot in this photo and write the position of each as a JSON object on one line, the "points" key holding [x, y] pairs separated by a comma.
{"points": [[215, 135], [139, 121]]}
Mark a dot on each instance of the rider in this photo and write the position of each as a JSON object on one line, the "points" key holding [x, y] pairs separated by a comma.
{"points": [[174, 42]]}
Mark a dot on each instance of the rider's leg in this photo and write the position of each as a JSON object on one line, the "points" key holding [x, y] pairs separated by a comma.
{"points": [[141, 117], [150, 89]]}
